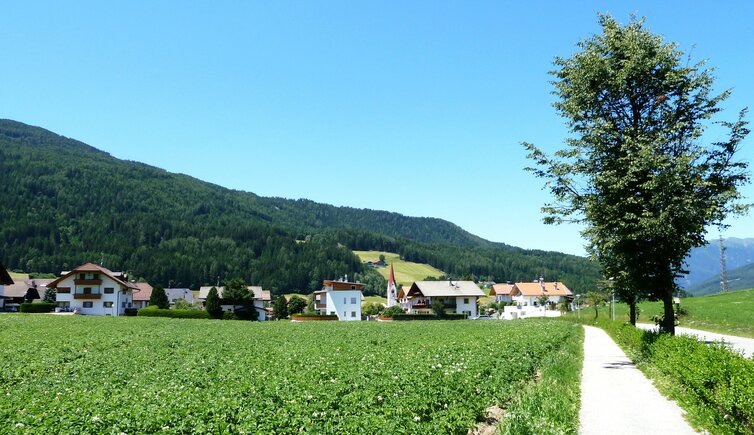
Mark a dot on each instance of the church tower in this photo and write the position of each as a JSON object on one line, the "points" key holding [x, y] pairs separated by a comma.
{"points": [[392, 289]]}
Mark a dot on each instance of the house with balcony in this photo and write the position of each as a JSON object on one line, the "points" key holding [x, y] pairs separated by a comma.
{"points": [[341, 298], [457, 296], [94, 290], [262, 299], [532, 294]]}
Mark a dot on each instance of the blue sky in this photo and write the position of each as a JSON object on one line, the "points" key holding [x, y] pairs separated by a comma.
{"points": [[412, 107]]}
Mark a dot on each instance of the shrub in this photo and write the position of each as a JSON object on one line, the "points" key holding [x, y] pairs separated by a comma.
{"points": [[153, 311], [37, 307], [311, 314], [451, 316], [391, 311]]}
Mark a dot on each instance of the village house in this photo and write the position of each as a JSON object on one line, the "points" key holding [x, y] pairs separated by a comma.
{"points": [[141, 298], [94, 290], [458, 296], [5, 280], [340, 298], [261, 299], [180, 293], [23, 290], [502, 292], [530, 293]]}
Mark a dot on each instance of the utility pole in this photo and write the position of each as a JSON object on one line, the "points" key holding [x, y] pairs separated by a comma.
{"points": [[723, 268]]}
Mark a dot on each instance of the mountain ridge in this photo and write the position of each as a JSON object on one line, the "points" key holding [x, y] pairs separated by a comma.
{"points": [[82, 198]]}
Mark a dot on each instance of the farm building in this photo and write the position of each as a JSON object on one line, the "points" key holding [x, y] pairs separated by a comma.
{"points": [[341, 298], [458, 296]]}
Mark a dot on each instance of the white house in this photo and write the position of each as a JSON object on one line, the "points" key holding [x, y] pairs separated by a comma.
{"points": [[529, 294], [458, 296], [261, 298], [502, 292], [341, 298], [94, 290]]}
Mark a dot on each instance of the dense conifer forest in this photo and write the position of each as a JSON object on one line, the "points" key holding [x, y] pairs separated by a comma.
{"points": [[63, 203]]}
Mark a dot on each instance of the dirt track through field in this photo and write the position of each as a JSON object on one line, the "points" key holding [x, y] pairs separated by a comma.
{"points": [[616, 398]]}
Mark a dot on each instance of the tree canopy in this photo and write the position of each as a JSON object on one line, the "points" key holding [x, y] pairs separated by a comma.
{"points": [[159, 298], [636, 169]]}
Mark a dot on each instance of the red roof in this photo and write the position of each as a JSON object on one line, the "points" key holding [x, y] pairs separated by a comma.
{"points": [[144, 293], [91, 267]]}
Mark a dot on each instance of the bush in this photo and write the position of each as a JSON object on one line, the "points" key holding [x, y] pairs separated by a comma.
{"points": [[315, 315], [451, 316], [37, 307], [153, 311]]}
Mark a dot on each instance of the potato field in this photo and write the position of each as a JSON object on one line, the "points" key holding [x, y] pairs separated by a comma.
{"points": [[62, 374]]}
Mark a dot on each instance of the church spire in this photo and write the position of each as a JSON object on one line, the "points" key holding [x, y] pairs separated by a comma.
{"points": [[392, 289]]}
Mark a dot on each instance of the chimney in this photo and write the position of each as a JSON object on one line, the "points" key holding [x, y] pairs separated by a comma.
{"points": [[346, 278], [542, 283]]}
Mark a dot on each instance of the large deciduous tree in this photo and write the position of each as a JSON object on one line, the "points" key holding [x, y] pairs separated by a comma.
{"points": [[635, 170]]}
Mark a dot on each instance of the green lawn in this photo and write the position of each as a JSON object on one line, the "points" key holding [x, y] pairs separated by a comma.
{"points": [[18, 276], [730, 313], [378, 299], [406, 272], [147, 375]]}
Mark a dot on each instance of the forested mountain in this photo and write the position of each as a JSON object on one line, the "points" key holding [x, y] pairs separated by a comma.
{"points": [[63, 203]]}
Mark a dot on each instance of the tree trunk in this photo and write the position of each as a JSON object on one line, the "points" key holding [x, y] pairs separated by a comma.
{"points": [[632, 312], [668, 322]]}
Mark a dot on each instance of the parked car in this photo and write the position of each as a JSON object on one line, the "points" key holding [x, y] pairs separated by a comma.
{"points": [[482, 317]]}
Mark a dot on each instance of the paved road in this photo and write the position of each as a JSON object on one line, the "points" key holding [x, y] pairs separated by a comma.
{"points": [[745, 345], [616, 398]]}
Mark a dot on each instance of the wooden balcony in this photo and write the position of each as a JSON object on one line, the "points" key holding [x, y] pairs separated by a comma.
{"points": [[87, 281], [318, 304], [87, 296]]}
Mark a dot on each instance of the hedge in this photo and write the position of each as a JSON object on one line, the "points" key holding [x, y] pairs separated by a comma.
{"points": [[38, 307], [713, 383], [177, 314], [449, 316], [314, 316]]}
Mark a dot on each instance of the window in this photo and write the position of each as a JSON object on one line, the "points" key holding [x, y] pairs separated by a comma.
{"points": [[87, 290], [353, 313], [353, 287], [465, 300], [128, 305], [123, 305], [344, 301], [108, 304], [353, 301], [332, 313], [82, 276], [89, 304], [109, 290], [95, 276]]}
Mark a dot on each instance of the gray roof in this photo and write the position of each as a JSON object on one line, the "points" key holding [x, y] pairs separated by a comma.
{"points": [[264, 295], [176, 293], [448, 288]]}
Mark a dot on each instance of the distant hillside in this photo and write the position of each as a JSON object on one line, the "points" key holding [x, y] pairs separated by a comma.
{"points": [[64, 203], [406, 272], [703, 263], [738, 279]]}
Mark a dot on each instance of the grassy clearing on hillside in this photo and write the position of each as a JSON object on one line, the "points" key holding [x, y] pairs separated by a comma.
{"points": [[146, 375], [18, 276], [406, 272], [730, 313]]}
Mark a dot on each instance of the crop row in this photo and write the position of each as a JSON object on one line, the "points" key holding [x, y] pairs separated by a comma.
{"points": [[83, 374]]}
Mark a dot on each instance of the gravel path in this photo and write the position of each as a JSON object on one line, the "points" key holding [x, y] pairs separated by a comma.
{"points": [[616, 398], [745, 345]]}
